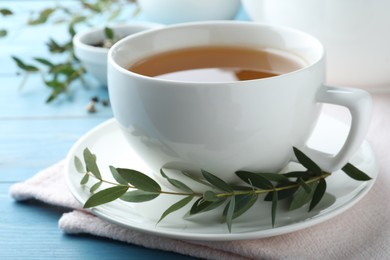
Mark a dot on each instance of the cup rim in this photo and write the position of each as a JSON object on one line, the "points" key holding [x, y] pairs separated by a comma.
{"points": [[81, 36], [121, 69]]}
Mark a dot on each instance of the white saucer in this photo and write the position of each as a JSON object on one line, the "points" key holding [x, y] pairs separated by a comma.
{"points": [[111, 148]]}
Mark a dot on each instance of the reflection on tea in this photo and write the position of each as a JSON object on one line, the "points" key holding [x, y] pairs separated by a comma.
{"points": [[218, 64]]}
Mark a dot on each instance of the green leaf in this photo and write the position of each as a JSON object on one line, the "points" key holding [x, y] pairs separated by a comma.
{"points": [[216, 182], [44, 62], [176, 183], [109, 33], [318, 194], [116, 176], [274, 207], [304, 185], [255, 180], [5, 11], [307, 162], [299, 174], [139, 180], [230, 212], [90, 162], [355, 173], [43, 17], [3, 33], [105, 196], [242, 204], [24, 66], [202, 205], [276, 177], [192, 177], [210, 196], [178, 205], [55, 47], [139, 196], [85, 179], [301, 197], [282, 194], [79, 165], [55, 84], [95, 186]]}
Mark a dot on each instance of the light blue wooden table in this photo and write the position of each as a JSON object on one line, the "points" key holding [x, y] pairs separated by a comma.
{"points": [[35, 135]]}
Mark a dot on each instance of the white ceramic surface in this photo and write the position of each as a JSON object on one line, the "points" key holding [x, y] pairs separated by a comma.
{"points": [[355, 34], [178, 11], [228, 126], [93, 58], [110, 147]]}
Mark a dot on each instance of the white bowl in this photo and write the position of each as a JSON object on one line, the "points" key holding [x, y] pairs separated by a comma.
{"points": [[93, 58], [177, 11], [356, 35]]}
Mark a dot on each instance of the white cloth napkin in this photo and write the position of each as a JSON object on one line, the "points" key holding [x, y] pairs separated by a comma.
{"points": [[363, 232]]}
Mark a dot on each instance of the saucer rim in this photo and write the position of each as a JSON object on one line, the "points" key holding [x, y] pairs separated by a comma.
{"points": [[181, 234]]}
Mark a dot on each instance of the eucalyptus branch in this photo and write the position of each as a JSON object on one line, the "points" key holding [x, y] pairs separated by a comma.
{"points": [[302, 187], [59, 77]]}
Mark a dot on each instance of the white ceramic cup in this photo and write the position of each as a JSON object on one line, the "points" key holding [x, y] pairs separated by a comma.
{"points": [[228, 126], [355, 34], [94, 58]]}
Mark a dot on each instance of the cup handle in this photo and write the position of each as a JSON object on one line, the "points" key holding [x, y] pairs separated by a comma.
{"points": [[359, 104]]}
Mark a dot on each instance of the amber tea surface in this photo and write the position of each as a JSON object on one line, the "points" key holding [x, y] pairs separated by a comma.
{"points": [[217, 64]]}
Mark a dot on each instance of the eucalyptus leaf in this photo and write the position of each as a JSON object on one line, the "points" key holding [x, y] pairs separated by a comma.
{"points": [[307, 162], [79, 165], [276, 177], [274, 207], [139, 180], [44, 62], [178, 205], [95, 187], [216, 182], [230, 212], [302, 197], [355, 173], [304, 185], [242, 204], [318, 194], [116, 175], [202, 205], [55, 84], [5, 11], [284, 193], [85, 179], [3, 33], [198, 180], [109, 33], [210, 196], [24, 66], [299, 174], [139, 196], [255, 180], [43, 17], [90, 162], [105, 196], [176, 183]]}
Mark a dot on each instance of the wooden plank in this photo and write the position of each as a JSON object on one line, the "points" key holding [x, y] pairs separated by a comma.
{"points": [[27, 145], [29, 230], [29, 101]]}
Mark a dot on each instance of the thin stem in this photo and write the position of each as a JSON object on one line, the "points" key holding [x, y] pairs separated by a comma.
{"points": [[228, 194], [197, 194]]}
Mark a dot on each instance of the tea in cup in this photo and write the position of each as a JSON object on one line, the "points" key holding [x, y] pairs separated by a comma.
{"points": [[225, 96]]}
